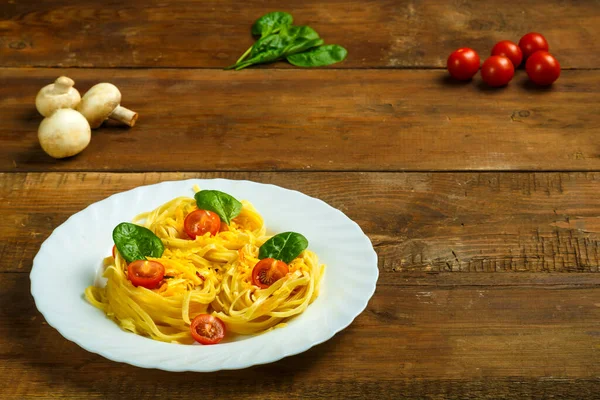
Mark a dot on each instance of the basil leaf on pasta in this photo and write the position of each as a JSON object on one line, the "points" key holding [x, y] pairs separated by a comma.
{"points": [[225, 206], [284, 246], [135, 242]]}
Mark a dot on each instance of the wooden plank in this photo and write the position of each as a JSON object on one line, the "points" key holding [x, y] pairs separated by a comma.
{"points": [[442, 222], [373, 120], [199, 33], [487, 332], [499, 342]]}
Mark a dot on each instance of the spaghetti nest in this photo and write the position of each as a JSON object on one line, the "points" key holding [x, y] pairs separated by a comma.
{"points": [[210, 274]]}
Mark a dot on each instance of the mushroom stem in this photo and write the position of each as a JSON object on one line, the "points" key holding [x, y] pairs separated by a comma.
{"points": [[62, 85], [124, 115]]}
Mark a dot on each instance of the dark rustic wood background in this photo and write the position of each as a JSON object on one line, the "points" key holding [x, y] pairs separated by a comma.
{"points": [[482, 204]]}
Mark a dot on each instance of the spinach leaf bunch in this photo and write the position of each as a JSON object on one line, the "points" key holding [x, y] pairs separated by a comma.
{"points": [[279, 39]]}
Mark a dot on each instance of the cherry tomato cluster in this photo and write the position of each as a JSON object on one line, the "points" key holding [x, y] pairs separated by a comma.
{"points": [[498, 69]]}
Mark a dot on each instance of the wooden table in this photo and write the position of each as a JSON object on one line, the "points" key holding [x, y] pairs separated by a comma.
{"points": [[482, 204]]}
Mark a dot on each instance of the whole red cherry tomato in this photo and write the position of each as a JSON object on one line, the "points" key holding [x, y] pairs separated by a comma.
{"points": [[510, 50], [532, 42], [542, 68], [463, 64], [497, 71]]}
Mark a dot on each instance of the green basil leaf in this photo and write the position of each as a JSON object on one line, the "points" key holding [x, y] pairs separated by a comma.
{"points": [[135, 242], [284, 246], [225, 206], [271, 22], [319, 56]]}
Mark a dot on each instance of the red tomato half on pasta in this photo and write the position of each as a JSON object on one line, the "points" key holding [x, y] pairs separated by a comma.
{"points": [[145, 273], [207, 329], [199, 222], [268, 271]]}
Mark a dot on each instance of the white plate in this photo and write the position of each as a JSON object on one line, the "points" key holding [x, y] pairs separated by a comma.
{"points": [[70, 258]]}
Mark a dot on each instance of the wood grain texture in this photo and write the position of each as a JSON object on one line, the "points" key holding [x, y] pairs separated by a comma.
{"points": [[437, 222], [199, 33], [410, 341], [370, 120]]}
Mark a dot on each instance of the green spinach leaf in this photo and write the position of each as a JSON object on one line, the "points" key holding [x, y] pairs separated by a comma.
{"points": [[225, 206], [279, 39], [274, 42], [284, 246], [302, 45], [271, 22], [303, 38], [267, 24], [277, 46], [262, 58], [135, 242], [266, 49], [319, 56], [302, 32]]}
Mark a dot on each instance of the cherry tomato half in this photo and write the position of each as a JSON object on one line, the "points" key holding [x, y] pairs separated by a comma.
{"points": [[510, 50], [267, 271], [542, 68], [198, 222], [207, 329], [145, 273], [532, 42], [497, 71], [463, 63]]}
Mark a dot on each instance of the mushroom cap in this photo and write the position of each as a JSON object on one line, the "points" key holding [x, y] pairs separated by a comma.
{"points": [[64, 134], [57, 95], [99, 102]]}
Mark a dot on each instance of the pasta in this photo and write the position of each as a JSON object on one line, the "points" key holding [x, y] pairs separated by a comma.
{"points": [[210, 274]]}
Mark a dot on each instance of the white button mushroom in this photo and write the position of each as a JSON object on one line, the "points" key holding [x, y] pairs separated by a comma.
{"points": [[64, 133], [60, 94], [102, 102]]}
